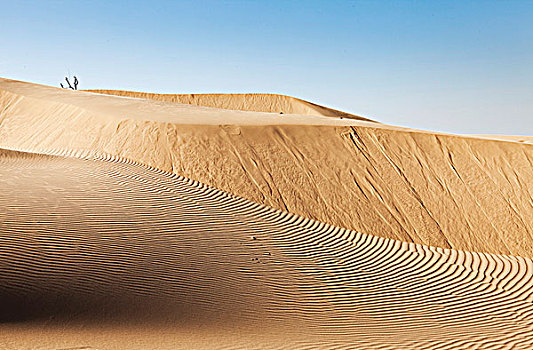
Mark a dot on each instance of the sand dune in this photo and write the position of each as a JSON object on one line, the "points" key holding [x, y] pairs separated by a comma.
{"points": [[270, 103], [144, 221], [102, 253], [514, 138], [468, 193]]}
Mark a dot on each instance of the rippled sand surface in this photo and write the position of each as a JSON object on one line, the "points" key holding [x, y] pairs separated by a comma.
{"points": [[102, 251]]}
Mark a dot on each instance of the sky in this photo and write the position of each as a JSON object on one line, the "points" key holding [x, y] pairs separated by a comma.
{"points": [[450, 66]]}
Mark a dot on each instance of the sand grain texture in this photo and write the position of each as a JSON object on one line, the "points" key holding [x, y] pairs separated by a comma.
{"points": [[212, 221], [467, 193], [104, 243], [269, 103]]}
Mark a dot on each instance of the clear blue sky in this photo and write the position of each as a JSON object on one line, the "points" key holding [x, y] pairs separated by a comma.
{"points": [[454, 66]]}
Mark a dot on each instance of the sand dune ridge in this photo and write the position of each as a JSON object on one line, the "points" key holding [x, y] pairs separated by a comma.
{"points": [[100, 229], [442, 190]]}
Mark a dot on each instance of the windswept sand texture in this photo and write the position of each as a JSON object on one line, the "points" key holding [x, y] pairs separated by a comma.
{"points": [[104, 243], [270, 103], [113, 244], [442, 190]]}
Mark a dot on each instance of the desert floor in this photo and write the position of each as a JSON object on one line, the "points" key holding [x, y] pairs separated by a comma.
{"points": [[143, 221]]}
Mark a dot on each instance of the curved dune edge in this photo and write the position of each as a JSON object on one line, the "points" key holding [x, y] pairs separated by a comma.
{"points": [[102, 252], [270, 103], [513, 138], [442, 190]]}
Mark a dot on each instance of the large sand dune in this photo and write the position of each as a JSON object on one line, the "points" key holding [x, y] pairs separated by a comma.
{"points": [[102, 244], [270, 103], [186, 221], [442, 190]]}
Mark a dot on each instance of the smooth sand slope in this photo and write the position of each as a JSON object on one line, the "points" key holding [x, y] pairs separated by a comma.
{"points": [[469, 193], [105, 254], [270, 103]]}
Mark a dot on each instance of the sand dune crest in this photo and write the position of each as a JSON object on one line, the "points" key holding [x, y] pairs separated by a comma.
{"points": [[442, 190], [181, 256], [270, 103]]}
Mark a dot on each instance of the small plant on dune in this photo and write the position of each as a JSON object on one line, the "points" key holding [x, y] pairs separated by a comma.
{"points": [[73, 86]]}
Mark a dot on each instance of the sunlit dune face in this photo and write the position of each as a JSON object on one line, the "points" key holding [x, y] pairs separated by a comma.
{"points": [[215, 221]]}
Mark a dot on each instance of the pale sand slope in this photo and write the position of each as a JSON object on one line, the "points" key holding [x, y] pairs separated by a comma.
{"points": [[442, 190], [242, 102], [102, 254], [515, 138]]}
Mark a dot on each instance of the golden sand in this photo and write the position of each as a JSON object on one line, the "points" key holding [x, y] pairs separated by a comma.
{"points": [[178, 222]]}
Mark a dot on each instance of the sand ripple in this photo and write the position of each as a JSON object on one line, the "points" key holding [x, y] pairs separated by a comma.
{"points": [[105, 241]]}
